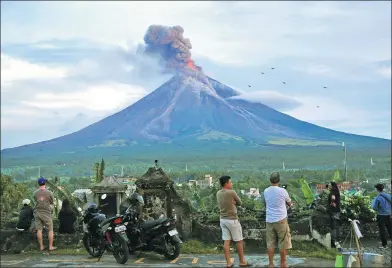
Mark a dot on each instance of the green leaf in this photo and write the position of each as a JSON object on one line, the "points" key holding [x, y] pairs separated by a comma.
{"points": [[336, 176], [308, 194]]}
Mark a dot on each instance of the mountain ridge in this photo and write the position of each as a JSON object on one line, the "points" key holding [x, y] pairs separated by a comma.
{"points": [[191, 109]]}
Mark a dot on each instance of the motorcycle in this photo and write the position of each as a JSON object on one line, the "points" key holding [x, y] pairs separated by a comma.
{"points": [[160, 236], [101, 234]]}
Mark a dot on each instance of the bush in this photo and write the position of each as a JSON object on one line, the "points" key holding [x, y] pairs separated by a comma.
{"points": [[357, 206]]}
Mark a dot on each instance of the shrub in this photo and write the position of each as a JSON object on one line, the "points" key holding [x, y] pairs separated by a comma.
{"points": [[357, 206]]}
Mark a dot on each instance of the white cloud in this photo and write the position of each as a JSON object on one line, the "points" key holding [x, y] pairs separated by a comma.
{"points": [[331, 40], [386, 72], [334, 114], [273, 99], [99, 98], [314, 69], [227, 32], [17, 69]]}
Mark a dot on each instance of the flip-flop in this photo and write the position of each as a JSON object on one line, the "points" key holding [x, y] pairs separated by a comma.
{"points": [[53, 249], [231, 266]]}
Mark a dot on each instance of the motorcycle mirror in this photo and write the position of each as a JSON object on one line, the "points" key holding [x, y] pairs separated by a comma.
{"points": [[103, 196], [80, 209]]}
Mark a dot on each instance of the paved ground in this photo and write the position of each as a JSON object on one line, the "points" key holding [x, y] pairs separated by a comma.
{"points": [[154, 260], [148, 260], [372, 246]]}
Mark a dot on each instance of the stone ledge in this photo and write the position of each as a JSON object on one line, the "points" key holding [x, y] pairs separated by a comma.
{"points": [[15, 242]]}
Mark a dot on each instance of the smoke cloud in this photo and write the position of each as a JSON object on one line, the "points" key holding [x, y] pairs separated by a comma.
{"points": [[170, 44]]}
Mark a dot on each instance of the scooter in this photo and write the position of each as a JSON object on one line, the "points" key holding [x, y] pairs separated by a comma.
{"points": [[160, 236]]}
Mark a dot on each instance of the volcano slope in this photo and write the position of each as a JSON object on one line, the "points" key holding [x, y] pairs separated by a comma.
{"points": [[191, 112]]}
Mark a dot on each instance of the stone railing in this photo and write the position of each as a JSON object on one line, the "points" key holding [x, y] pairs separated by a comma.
{"points": [[307, 228], [16, 242]]}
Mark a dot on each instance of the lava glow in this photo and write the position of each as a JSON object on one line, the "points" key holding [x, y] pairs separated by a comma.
{"points": [[191, 64]]}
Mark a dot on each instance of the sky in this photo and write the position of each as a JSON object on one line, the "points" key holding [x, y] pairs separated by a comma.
{"points": [[65, 65]]}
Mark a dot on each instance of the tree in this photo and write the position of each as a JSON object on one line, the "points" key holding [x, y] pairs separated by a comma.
{"points": [[11, 194], [96, 172], [101, 170]]}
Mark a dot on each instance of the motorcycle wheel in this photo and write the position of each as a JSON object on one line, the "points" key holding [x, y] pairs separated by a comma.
{"points": [[120, 249], [172, 250], [93, 251]]}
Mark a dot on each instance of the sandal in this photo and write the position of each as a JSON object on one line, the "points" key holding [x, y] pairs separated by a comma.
{"points": [[246, 265], [231, 266]]}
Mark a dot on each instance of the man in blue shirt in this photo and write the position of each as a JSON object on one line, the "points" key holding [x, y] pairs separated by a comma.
{"points": [[382, 205]]}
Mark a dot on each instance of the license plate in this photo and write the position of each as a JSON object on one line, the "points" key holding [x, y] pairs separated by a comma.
{"points": [[173, 232], [120, 228]]}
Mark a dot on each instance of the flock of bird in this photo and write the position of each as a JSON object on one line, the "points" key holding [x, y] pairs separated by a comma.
{"points": [[284, 83]]}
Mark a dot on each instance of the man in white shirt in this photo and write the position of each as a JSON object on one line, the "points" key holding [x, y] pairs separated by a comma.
{"points": [[276, 199]]}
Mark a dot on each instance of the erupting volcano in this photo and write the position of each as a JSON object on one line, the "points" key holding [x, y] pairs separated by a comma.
{"points": [[170, 45], [190, 110], [191, 64]]}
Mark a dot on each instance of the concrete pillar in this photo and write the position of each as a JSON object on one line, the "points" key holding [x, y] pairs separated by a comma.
{"points": [[118, 202]]}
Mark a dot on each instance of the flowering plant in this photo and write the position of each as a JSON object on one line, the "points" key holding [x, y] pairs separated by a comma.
{"points": [[357, 206]]}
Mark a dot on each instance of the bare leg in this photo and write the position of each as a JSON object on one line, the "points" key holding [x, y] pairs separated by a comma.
{"points": [[240, 251], [39, 237], [271, 252], [51, 236], [226, 250], [283, 262]]}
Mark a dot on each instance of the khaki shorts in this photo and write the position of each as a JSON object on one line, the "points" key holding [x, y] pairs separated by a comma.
{"points": [[42, 220], [279, 232], [231, 230]]}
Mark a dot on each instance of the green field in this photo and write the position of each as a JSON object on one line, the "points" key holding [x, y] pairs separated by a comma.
{"points": [[238, 161]]}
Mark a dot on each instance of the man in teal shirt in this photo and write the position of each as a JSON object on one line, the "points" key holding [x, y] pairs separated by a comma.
{"points": [[382, 205]]}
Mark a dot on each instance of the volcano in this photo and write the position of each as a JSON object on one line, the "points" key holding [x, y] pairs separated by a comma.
{"points": [[192, 110]]}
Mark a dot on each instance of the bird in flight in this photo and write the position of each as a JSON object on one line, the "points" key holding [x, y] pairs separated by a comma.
{"points": [[284, 83], [262, 73], [249, 86], [272, 68], [325, 87], [318, 106]]}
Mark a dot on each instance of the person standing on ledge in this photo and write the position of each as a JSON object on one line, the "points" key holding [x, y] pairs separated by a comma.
{"points": [[382, 205], [276, 199], [43, 213], [229, 223]]}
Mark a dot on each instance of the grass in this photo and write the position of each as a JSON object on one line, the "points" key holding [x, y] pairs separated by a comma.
{"points": [[311, 250], [300, 249], [216, 135], [298, 142], [197, 247]]}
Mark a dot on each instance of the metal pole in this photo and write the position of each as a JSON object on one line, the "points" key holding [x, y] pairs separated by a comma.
{"points": [[345, 161]]}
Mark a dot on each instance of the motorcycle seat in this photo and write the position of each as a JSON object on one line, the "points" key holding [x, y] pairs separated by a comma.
{"points": [[146, 225]]}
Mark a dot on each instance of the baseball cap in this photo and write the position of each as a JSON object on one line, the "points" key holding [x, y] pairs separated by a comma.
{"points": [[26, 202], [41, 181]]}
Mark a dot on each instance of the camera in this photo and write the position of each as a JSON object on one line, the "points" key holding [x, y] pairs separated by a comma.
{"points": [[284, 186]]}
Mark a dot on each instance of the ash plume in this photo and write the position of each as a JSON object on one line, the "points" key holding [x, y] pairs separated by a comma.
{"points": [[170, 44]]}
